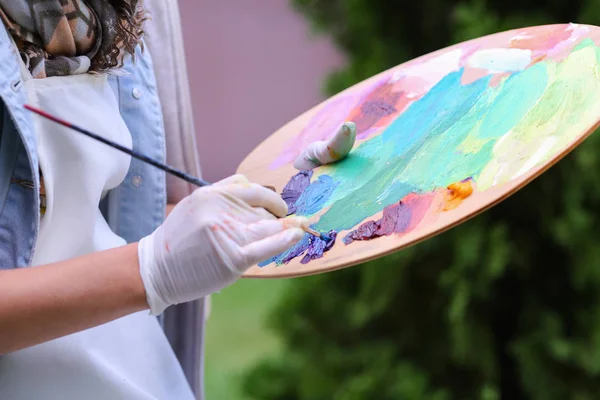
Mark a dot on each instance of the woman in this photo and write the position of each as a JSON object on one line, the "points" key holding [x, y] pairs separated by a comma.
{"points": [[76, 324]]}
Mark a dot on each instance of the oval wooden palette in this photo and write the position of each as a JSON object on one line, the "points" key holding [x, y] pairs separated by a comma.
{"points": [[440, 139]]}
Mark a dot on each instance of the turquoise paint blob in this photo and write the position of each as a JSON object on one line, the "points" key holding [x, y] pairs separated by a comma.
{"points": [[435, 112], [519, 94], [587, 42]]}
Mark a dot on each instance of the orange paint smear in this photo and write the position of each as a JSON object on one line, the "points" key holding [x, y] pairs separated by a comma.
{"points": [[288, 223], [537, 59], [456, 193], [218, 228]]}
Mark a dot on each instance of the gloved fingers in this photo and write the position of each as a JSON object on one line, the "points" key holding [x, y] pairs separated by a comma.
{"points": [[269, 247], [232, 229], [309, 158], [266, 228], [342, 142], [233, 179], [239, 210], [326, 152], [258, 196], [240, 180], [261, 214]]}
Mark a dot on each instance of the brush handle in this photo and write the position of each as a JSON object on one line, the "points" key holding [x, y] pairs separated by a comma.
{"points": [[167, 168]]}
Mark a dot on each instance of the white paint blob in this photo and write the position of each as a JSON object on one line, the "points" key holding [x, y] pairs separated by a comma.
{"points": [[500, 60]]}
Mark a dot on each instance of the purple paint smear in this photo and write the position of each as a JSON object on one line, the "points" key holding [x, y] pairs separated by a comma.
{"points": [[318, 246], [395, 219], [378, 108], [310, 246], [294, 188]]}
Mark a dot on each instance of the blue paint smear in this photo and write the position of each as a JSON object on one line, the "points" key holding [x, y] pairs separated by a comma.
{"points": [[315, 196]]}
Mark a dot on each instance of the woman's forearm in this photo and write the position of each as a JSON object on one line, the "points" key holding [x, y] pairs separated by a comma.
{"points": [[43, 303]]}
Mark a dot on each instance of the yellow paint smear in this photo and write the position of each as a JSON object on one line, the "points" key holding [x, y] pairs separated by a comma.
{"points": [[456, 193]]}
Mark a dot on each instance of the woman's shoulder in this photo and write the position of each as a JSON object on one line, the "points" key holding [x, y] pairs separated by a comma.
{"points": [[10, 74], [13, 95], [19, 205], [12, 88]]}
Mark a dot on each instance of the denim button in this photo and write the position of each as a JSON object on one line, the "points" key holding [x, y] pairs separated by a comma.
{"points": [[136, 93], [136, 181]]}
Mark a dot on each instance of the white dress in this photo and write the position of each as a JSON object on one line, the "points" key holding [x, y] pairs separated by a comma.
{"points": [[129, 358]]}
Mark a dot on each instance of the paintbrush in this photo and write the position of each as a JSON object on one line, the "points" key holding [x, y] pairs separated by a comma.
{"points": [[167, 168]]}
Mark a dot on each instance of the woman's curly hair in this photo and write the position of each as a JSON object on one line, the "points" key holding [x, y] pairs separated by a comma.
{"points": [[129, 31]]}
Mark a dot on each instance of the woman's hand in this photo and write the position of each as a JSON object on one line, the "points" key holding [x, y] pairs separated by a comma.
{"points": [[326, 152], [210, 238]]}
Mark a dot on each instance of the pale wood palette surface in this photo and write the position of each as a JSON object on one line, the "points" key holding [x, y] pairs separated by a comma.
{"points": [[258, 168]]}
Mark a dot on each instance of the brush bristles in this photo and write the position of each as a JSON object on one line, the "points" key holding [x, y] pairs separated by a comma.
{"points": [[321, 236]]}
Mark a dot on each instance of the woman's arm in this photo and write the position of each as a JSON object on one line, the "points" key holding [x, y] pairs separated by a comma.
{"points": [[46, 302]]}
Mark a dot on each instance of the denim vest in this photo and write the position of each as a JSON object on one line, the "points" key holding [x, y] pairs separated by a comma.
{"points": [[133, 209]]}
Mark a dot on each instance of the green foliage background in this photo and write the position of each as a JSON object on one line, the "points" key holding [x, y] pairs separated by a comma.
{"points": [[506, 306]]}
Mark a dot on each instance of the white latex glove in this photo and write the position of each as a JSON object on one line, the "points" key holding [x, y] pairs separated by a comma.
{"points": [[211, 238], [325, 152]]}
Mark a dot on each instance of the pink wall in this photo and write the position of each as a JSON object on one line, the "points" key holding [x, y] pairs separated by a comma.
{"points": [[253, 67]]}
